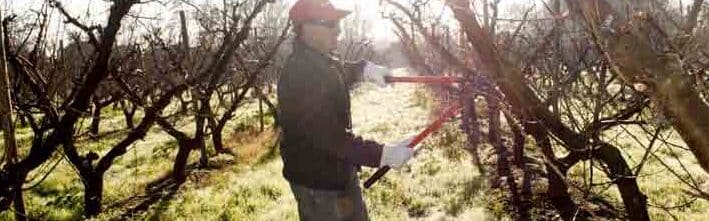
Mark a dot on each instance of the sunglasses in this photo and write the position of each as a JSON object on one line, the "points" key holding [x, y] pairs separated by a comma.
{"points": [[325, 23]]}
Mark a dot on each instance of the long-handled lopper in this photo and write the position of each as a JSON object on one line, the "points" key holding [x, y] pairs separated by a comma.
{"points": [[424, 79], [449, 112]]}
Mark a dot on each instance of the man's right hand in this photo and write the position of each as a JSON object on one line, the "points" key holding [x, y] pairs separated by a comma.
{"points": [[396, 155]]}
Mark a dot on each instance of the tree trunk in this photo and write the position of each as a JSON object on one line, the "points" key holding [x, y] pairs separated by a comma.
{"points": [[471, 126], [179, 168], [6, 109], [93, 193], [503, 167], [260, 114], [520, 162], [129, 120], [95, 120], [23, 121], [635, 201], [8, 129], [201, 118], [557, 189], [128, 113], [558, 54], [558, 194], [19, 202], [204, 156], [184, 105], [217, 139]]}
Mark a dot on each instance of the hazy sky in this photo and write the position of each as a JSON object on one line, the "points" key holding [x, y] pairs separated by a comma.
{"points": [[96, 11]]}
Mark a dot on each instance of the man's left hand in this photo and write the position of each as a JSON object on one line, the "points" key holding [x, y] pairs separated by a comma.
{"points": [[376, 73]]}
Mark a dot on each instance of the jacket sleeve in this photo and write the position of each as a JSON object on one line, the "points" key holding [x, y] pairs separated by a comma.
{"points": [[308, 112], [362, 152]]}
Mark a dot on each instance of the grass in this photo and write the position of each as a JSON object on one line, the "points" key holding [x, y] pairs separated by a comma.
{"points": [[663, 189], [249, 184], [440, 183]]}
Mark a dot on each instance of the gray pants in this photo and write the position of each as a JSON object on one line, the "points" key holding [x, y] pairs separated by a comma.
{"points": [[326, 205]]}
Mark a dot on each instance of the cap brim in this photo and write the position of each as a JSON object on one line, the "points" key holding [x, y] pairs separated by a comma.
{"points": [[339, 14]]}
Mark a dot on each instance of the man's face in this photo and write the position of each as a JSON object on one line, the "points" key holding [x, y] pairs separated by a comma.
{"points": [[321, 34]]}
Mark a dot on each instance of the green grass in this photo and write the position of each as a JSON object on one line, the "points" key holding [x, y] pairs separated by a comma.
{"points": [[666, 195], [440, 183], [662, 188]]}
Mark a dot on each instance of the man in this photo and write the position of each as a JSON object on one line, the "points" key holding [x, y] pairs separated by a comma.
{"points": [[320, 154]]}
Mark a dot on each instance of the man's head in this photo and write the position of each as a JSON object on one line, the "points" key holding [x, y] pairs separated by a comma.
{"points": [[317, 23]]}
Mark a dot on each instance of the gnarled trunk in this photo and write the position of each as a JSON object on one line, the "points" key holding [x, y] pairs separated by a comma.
{"points": [[179, 168], [93, 192], [471, 127], [557, 189], [520, 162], [634, 200], [217, 139], [201, 118], [503, 163]]}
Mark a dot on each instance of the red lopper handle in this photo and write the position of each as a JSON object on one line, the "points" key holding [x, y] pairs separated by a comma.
{"points": [[424, 79], [449, 112]]}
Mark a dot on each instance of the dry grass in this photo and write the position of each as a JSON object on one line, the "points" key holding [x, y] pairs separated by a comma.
{"points": [[249, 146]]}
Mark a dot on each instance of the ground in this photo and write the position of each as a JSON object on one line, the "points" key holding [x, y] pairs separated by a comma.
{"points": [[439, 183]]}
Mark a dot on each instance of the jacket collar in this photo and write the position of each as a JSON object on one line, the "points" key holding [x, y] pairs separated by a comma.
{"points": [[302, 49]]}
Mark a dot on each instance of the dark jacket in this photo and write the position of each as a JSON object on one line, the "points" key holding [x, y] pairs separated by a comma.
{"points": [[317, 148]]}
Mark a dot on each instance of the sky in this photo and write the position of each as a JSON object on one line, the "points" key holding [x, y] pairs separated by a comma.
{"points": [[166, 14]]}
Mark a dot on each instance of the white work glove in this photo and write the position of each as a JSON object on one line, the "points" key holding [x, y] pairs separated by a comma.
{"points": [[396, 155], [376, 73]]}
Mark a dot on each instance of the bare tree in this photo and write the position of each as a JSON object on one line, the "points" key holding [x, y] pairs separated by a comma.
{"points": [[522, 100], [645, 55], [60, 124], [8, 128]]}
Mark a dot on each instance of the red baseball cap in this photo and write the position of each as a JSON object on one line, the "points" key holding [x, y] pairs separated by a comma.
{"points": [[308, 10]]}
